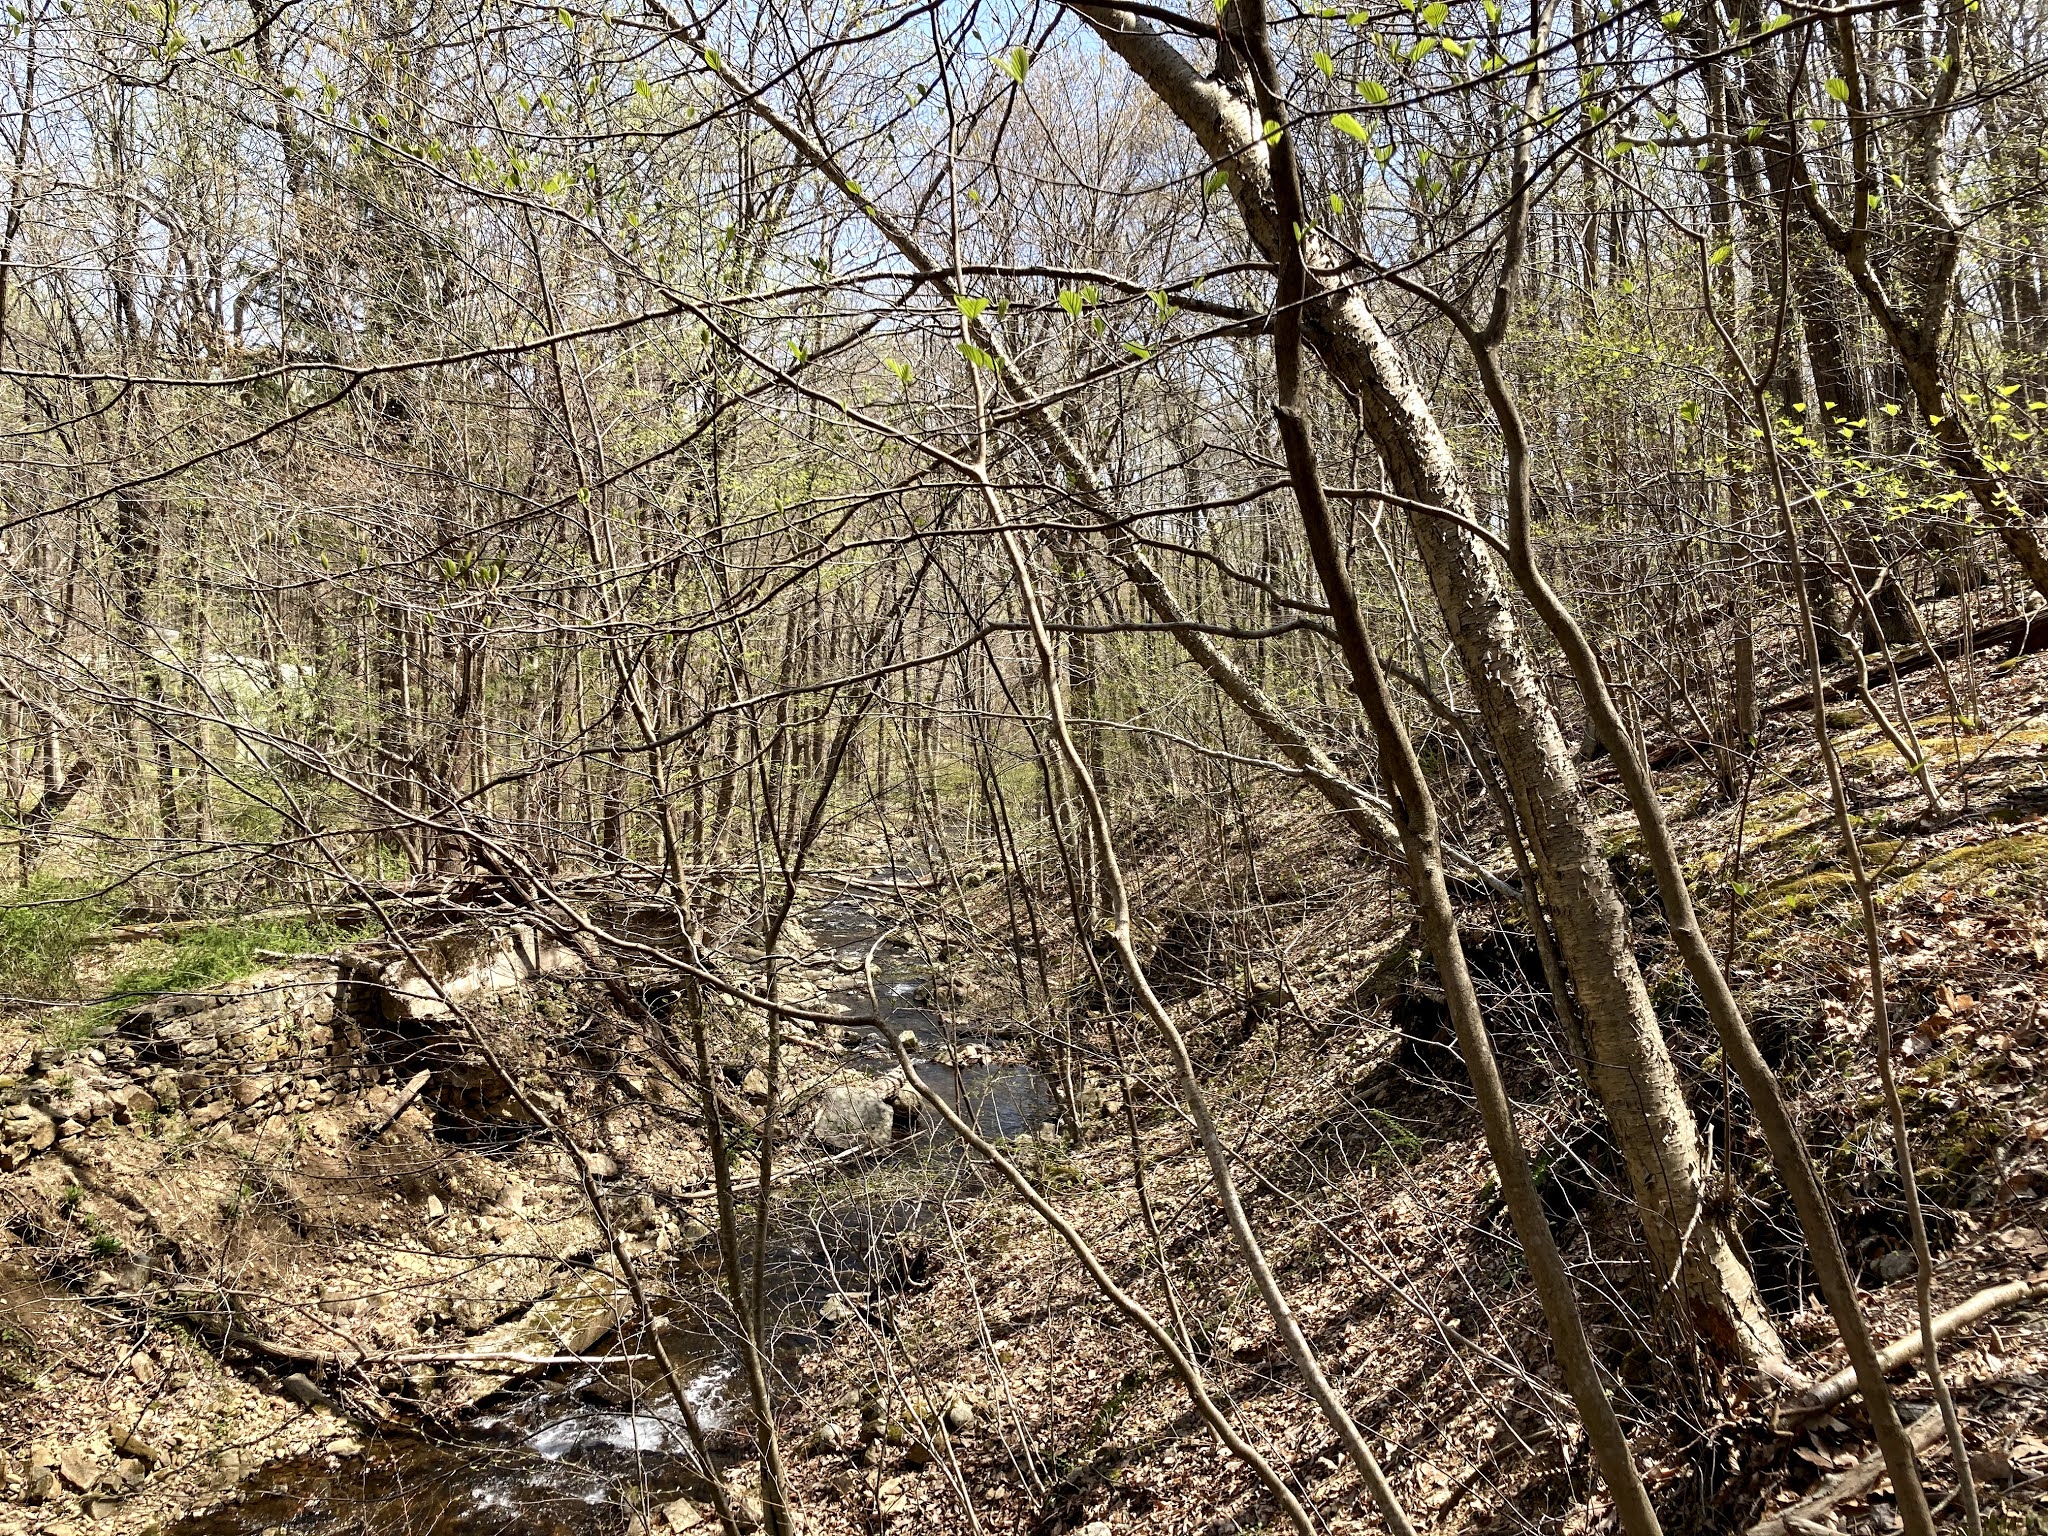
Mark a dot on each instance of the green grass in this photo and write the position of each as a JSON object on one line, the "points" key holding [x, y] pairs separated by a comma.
{"points": [[221, 952], [43, 930]]}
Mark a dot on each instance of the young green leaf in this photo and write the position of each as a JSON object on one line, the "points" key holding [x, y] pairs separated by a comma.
{"points": [[1215, 182], [1071, 302], [1838, 88], [1344, 122], [971, 308], [1325, 63], [1015, 64], [1142, 354], [1373, 92]]}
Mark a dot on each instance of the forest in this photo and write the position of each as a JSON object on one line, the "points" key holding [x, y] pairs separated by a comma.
{"points": [[1023, 769]]}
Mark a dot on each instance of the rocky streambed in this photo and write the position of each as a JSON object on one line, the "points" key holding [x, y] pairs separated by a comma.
{"points": [[320, 1185]]}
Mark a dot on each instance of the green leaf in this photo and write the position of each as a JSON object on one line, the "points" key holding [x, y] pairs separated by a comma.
{"points": [[643, 90], [1373, 92], [1421, 50], [711, 58], [1015, 63], [1071, 302], [1672, 20], [971, 308], [1326, 64], [1142, 354], [1454, 48], [900, 368], [1720, 255], [1215, 182], [1492, 9], [977, 357], [1344, 122], [1160, 302], [1272, 132], [1838, 88], [1336, 205], [1435, 13]]}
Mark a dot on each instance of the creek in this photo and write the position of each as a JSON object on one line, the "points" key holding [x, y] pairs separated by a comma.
{"points": [[566, 1453]]}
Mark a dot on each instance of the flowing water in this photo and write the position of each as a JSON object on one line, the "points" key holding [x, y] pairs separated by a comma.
{"points": [[566, 1454]]}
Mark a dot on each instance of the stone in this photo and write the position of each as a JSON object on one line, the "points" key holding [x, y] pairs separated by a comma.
{"points": [[830, 1439], [435, 1209], [959, 1416], [211, 1114], [128, 1440], [1896, 1265], [853, 1115], [133, 1103], [249, 1089], [1096, 1528], [301, 1389], [344, 1447], [755, 1085], [838, 1309], [79, 1470], [28, 1126], [639, 1214], [682, 1515], [601, 1165], [338, 1300]]}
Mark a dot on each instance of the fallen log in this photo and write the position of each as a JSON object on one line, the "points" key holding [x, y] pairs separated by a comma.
{"points": [[2018, 636], [391, 1116], [1804, 1518], [1841, 1386]]}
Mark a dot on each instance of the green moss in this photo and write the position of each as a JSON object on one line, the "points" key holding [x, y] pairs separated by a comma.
{"points": [[1999, 863]]}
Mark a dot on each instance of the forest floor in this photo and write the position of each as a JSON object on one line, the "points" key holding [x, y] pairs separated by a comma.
{"points": [[1292, 964], [1363, 1164]]}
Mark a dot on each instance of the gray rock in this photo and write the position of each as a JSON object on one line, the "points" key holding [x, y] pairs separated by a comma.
{"points": [[853, 1115], [1896, 1265], [129, 1442], [639, 1214], [959, 1416], [302, 1390]]}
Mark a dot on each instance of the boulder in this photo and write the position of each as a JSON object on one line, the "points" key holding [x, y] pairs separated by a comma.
{"points": [[28, 1126], [854, 1115]]}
